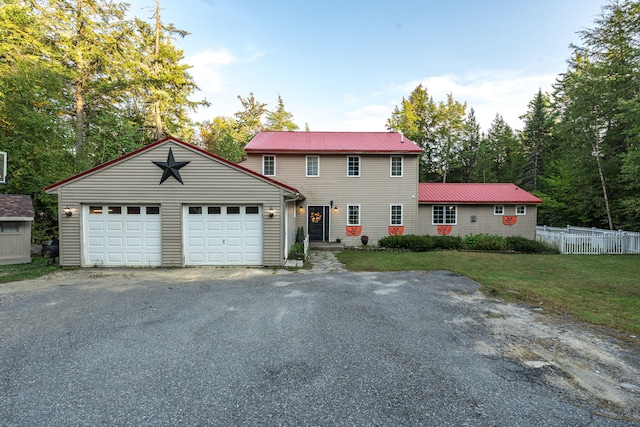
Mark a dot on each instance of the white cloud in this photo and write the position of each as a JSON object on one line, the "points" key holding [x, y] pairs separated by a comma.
{"points": [[207, 66], [507, 94]]}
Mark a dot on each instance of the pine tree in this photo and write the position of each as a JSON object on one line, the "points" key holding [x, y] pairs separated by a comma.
{"points": [[536, 138], [280, 119]]}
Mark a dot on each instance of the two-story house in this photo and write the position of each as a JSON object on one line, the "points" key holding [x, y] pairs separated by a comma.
{"points": [[355, 183], [171, 203]]}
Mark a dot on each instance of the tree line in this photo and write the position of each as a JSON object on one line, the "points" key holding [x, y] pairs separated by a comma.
{"points": [[579, 148], [81, 84]]}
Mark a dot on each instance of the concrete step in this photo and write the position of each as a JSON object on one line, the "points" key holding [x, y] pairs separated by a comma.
{"points": [[325, 246]]}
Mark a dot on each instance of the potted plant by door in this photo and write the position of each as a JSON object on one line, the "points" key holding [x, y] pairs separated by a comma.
{"points": [[364, 239]]}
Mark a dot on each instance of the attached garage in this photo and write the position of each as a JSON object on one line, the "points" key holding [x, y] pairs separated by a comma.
{"points": [[173, 204]]}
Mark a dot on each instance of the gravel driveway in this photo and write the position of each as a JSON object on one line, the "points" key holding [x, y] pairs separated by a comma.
{"points": [[257, 347]]}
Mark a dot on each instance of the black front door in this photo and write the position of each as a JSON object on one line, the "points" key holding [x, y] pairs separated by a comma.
{"points": [[318, 221]]}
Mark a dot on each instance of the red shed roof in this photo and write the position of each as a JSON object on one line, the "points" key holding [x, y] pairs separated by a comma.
{"points": [[176, 141], [331, 142], [473, 193]]}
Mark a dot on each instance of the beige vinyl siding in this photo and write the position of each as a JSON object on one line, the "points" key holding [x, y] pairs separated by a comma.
{"points": [[135, 181], [374, 190], [15, 247], [486, 222]]}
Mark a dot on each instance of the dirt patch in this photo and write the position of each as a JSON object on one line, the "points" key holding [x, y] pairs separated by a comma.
{"points": [[586, 365]]}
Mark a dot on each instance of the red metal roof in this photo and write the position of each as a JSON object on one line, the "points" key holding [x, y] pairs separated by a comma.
{"points": [[429, 192], [179, 142], [331, 142]]}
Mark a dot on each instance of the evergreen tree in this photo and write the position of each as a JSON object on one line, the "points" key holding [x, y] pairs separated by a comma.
{"points": [[280, 119], [536, 139], [415, 118], [249, 120], [448, 136], [470, 147]]}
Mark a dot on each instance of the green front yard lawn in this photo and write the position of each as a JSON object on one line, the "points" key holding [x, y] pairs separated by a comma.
{"points": [[599, 289]]}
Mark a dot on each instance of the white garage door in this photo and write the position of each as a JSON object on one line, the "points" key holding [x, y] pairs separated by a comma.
{"points": [[223, 235], [122, 235]]}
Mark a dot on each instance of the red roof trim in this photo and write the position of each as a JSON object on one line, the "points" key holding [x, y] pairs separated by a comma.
{"points": [[179, 142]]}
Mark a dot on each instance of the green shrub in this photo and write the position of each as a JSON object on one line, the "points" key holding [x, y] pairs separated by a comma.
{"points": [[521, 244], [297, 251], [409, 241], [484, 242], [448, 242]]}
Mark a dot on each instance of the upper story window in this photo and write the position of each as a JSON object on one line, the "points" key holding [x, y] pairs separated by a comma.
{"points": [[353, 214], [353, 165], [521, 209], [498, 210], [396, 214], [313, 166], [444, 215], [269, 165], [396, 166]]}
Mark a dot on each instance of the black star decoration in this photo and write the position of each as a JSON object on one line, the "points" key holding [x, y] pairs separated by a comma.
{"points": [[171, 168]]}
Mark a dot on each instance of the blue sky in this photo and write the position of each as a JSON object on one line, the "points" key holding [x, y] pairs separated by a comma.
{"points": [[344, 65]]}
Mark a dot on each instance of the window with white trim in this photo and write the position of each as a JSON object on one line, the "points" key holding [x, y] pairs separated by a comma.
{"points": [[396, 215], [353, 214], [269, 165], [521, 209], [353, 165], [313, 166], [442, 214], [498, 210], [396, 164]]}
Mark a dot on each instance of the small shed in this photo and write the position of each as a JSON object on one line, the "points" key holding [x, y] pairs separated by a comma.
{"points": [[16, 217]]}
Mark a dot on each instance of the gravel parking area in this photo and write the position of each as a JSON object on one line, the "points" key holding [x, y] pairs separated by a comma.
{"points": [[204, 346]]}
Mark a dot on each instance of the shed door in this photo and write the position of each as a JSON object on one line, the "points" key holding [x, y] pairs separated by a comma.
{"points": [[121, 235], [223, 235]]}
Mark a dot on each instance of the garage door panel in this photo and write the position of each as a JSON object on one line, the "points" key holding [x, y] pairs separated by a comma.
{"points": [[115, 242], [214, 242], [114, 226], [214, 226], [232, 236], [215, 258], [234, 225], [196, 226], [134, 242], [125, 239], [115, 258], [96, 241], [134, 258], [95, 225], [134, 226], [150, 226], [234, 242]]}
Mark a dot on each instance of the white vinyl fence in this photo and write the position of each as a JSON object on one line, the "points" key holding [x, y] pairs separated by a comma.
{"points": [[589, 241]]}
